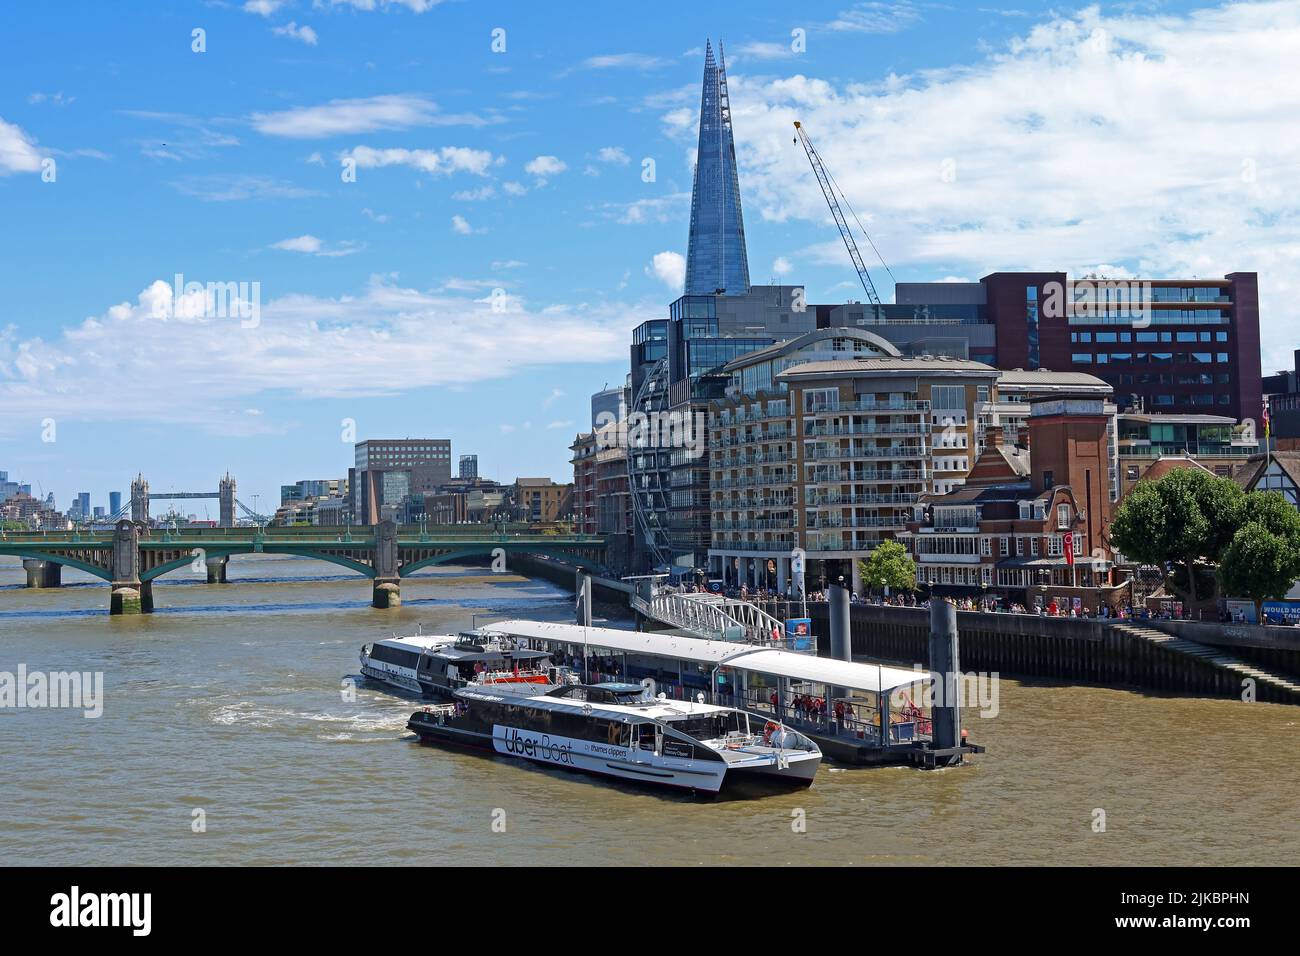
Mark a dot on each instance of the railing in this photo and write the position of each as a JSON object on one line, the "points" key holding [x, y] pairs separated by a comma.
{"points": [[867, 405], [712, 617], [896, 451]]}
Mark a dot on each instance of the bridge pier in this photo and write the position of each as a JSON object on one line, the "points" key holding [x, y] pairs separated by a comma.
{"points": [[387, 588], [129, 594], [217, 570], [386, 593], [43, 574]]}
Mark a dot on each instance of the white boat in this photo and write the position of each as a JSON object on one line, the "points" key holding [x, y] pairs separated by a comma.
{"points": [[395, 660], [619, 730]]}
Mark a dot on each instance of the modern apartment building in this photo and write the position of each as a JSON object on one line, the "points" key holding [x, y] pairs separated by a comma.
{"points": [[1215, 442], [835, 458]]}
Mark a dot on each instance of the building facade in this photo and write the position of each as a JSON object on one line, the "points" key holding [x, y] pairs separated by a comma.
{"points": [[716, 260], [835, 461], [388, 471], [1029, 526]]}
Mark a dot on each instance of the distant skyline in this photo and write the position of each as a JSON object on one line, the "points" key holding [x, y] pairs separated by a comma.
{"points": [[481, 276]]}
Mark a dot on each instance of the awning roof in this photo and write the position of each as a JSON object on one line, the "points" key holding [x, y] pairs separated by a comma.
{"points": [[738, 656]]}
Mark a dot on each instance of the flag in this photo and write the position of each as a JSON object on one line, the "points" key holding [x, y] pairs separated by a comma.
{"points": [[1067, 542], [1268, 425]]}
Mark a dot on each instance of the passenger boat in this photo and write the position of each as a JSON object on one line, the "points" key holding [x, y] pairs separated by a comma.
{"points": [[474, 660], [620, 730], [436, 666], [394, 660]]}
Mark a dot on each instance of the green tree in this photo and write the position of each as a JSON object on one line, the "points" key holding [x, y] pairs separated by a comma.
{"points": [[889, 564], [1259, 564], [1184, 517]]}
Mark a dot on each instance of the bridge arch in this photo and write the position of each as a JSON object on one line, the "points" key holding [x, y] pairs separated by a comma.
{"points": [[300, 552], [479, 551], [102, 573]]}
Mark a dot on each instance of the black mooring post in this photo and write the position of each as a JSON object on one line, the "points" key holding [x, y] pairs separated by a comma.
{"points": [[945, 672]]}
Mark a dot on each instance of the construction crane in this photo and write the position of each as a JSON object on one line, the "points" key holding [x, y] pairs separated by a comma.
{"points": [[829, 190]]}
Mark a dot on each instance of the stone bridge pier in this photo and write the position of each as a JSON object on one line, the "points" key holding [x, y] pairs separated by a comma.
{"points": [[217, 570], [387, 591], [43, 574], [129, 595]]}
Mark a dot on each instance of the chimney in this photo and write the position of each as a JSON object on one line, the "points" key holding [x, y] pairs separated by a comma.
{"points": [[993, 436]]}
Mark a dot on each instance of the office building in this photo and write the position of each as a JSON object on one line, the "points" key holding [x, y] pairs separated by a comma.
{"points": [[388, 470], [1176, 345], [716, 261]]}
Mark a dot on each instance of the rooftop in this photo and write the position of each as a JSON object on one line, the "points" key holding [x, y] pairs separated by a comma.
{"points": [[933, 365]]}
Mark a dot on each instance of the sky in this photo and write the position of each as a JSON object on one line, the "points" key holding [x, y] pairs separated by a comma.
{"points": [[447, 217]]}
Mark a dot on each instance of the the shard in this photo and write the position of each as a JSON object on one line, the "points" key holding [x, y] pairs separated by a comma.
{"points": [[715, 258]]}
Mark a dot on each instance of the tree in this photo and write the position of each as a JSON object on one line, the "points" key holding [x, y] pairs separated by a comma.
{"points": [[1259, 564], [890, 565], [1180, 518]]}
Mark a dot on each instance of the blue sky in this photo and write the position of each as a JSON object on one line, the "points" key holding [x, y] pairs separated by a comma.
{"points": [[1143, 139]]}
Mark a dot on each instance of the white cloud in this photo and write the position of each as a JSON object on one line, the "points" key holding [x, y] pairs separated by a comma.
{"points": [[363, 115], [415, 6], [514, 188], [314, 246], [17, 150], [669, 268], [563, 423], [360, 344], [615, 155], [555, 395], [221, 188], [1161, 144], [54, 99], [634, 61], [263, 8], [461, 226], [474, 195], [781, 266], [876, 17], [435, 162], [762, 51], [303, 34], [544, 166], [375, 216]]}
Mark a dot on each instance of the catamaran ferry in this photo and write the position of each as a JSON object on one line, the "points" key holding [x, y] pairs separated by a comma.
{"points": [[394, 660], [620, 730], [438, 666]]}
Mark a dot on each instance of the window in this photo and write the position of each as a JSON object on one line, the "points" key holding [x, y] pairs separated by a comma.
{"points": [[1063, 516], [952, 397], [986, 547], [1005, 547], [1047, 480], [1033, 547], [1081, 358], [1020, 546]]}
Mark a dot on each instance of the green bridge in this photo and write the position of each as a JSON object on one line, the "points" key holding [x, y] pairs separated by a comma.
{"points": [[132, 556]]}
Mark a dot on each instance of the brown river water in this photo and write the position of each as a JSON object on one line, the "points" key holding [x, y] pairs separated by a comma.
{"points": [[228, 700]]}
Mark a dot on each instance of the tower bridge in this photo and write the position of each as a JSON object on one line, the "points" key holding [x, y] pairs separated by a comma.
{"points": [[225, 495], [133, 555]]}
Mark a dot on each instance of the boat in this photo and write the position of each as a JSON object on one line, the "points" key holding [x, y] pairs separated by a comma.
{"points": [[394, 660], [476, 660], [437, 665], [620, 730]]}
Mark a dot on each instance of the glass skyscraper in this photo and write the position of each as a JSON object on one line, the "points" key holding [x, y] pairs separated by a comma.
{"points": [[715, 257]]}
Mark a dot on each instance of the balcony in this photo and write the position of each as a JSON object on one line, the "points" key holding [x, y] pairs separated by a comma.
{"points": [[896, 451], [867, 405]]}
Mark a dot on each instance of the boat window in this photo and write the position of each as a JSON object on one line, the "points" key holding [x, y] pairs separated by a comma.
{"points": [[710, 726], [646, 736]]}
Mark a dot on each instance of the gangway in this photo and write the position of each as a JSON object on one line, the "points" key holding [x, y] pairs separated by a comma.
{"points": [[712, 616]]}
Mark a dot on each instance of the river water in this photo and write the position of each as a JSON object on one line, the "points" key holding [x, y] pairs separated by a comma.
{"points": [[229, 701]]}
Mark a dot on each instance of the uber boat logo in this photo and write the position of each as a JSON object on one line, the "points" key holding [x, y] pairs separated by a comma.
{"points": [[103, 909], [538, 746]]}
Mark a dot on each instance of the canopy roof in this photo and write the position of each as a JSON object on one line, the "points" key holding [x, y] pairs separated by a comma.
{"points": [[743, 657]]}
